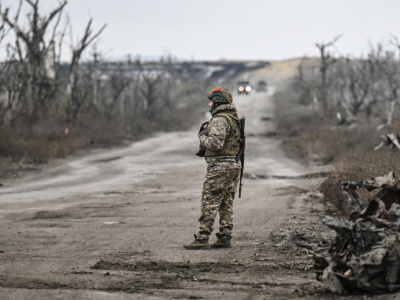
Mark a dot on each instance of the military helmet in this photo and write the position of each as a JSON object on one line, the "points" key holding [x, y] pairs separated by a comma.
{"points": [[220, 95]]}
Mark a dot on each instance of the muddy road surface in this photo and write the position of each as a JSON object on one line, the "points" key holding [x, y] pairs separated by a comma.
{"points": [[111, 224]]}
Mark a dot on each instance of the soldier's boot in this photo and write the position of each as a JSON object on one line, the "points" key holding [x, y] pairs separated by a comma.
{"points": [[224, 241], [198, 244]]}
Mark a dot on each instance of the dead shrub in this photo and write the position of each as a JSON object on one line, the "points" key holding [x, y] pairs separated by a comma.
{"points": [[348, 148], [327, 145], [51, 137], [36, 150], [292, 117]]}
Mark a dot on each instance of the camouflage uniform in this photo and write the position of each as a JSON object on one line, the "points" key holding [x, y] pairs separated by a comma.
{"points": [[223, 171]]}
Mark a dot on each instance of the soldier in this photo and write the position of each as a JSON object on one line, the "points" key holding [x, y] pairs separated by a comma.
{"points": [[219, 137]]}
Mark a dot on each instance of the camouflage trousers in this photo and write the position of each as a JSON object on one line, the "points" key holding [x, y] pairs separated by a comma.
{"points": [[219, 191]]}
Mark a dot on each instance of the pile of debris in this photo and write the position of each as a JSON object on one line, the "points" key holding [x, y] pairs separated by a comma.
{"points": [[365, 256]]}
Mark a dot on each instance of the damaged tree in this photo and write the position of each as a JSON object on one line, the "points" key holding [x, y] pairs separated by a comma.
{"points": [[365, 256], [385, 77], [315, 79], [30, 74], [151, 87], [351, 89], [77, 92], [354, 89], [326, 61], [31, 82]]}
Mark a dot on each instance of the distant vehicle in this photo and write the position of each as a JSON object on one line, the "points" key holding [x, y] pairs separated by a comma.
{"points": [[261, 86], [244, 87]]}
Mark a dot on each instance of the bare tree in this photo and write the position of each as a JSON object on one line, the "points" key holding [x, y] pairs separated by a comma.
{"points": [[395, 42], [150, 89], [120, 80], [326, 61], [111, 84], [351, 87], [32, 79], [307, 80], [6, 100], [385, 77], [77, 93]]}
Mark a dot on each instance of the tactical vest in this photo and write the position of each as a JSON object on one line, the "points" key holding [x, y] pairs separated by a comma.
{"points": [[231, 144]]}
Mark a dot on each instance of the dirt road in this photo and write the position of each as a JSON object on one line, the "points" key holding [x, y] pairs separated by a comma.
{"points": [[111, 225]]}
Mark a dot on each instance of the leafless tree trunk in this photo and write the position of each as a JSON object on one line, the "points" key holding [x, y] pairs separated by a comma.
{"points": [[351, 86], [150, 89], [326, 61], [308, 82], [385, 73], [77, 94], [120, 80]]}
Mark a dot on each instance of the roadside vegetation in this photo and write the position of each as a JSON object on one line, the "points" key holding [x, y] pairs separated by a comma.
{"points": [[336, 111], [51, 108]]}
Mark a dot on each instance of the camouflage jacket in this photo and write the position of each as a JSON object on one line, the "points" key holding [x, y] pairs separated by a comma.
{"points": [[215, 134]]}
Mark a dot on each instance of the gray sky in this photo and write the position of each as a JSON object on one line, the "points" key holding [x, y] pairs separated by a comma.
{"points": [[233, 29]]}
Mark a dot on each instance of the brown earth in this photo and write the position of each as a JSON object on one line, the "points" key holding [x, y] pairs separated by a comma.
{"points": [[111, 224]]}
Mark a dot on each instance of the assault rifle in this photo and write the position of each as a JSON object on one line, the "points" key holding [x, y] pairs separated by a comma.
{"points": [[240, 155]]}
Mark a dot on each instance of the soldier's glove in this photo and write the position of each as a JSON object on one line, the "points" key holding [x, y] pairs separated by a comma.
{"points": [[202, 133], [201, 152]]}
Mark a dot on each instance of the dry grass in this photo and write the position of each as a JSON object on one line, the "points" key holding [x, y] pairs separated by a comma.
{"points": [[47, 139], [35, 150], [331, 144], [349, 148]]}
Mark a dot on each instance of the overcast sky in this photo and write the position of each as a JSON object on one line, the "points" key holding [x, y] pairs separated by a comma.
{"points": [[232, 29]]}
